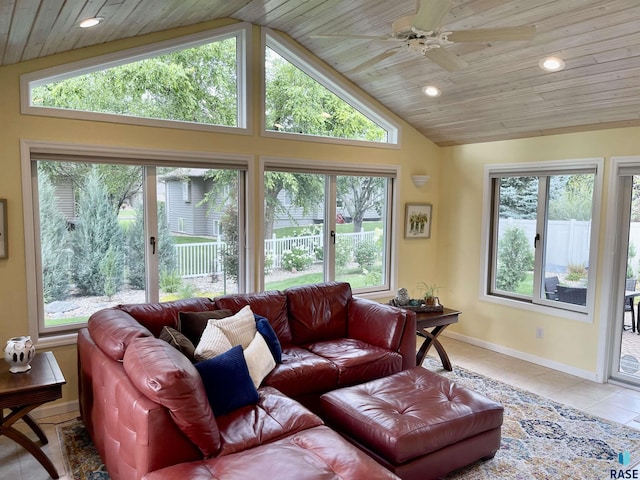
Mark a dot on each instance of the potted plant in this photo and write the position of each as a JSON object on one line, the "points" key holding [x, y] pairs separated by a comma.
{"points": [[429, 293]]}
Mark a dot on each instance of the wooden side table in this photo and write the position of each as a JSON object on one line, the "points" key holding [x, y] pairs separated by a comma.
{"points": [[21, 393], [438, 321]]}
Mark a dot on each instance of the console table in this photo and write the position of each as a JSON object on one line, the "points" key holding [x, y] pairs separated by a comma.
{"points": [[438, 321], [21, 393]]}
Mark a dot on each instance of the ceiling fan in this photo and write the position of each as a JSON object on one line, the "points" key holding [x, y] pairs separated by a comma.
{"points": [[424, 34]]}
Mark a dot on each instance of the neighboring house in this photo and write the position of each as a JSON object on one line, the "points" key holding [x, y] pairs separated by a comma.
{"points": [[185, 190]]}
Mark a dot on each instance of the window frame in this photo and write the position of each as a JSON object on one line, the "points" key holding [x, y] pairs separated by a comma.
{"points": [[242, 32], [537, 303], [300, 165], [53, 336], [328, 78]]}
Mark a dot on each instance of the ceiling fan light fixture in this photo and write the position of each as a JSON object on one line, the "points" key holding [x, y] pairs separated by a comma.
{"points": [[431, 91], [551, 64], [90, 22]]}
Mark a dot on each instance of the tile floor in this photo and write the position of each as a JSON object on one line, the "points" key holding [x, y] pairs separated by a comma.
{"points": [[605, 400]]}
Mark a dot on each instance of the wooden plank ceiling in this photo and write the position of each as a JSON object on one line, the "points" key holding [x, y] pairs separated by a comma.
{"points": [[502, 94]]}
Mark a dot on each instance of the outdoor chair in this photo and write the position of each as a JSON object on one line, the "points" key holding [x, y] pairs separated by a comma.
{"points": [[575, 295], [551, 287], [630, 286]]}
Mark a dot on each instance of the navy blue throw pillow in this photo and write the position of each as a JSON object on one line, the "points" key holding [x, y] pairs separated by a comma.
{"points": [[227, 382], [266, 330]]}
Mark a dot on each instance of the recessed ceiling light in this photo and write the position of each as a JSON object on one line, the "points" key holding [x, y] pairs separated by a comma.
{"points": [[90, 22], [431, 91], [551, 64]]}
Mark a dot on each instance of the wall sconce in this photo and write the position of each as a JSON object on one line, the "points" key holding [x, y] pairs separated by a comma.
{"points": [[419, 180]]}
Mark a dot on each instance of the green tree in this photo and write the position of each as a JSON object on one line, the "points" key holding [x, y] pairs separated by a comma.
{"points": [[518, 197], [97, 241], [230, 255], [297, 103], [359, 194], [54, 246], [134, 238], [195, 85], [571, 197], [515, 259]]}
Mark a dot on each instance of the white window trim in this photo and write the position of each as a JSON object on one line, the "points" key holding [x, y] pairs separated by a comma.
{"points": [[242, 31], [143, 155], [328, 78], [485, 244], [268, 162]]}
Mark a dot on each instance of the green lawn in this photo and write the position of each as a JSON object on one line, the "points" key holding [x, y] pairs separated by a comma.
{"points": [[181, 239], [526, 286], [357, 280]]}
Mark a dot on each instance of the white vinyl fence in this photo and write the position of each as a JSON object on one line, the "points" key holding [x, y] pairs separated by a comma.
{"points": [[202, 259]]}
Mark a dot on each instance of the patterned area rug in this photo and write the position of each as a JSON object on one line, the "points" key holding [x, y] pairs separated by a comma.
{"points": [[541, 439], [83, 461]]}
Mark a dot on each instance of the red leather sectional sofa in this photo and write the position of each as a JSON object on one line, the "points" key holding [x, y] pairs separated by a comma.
{"points": [[144, 404]]}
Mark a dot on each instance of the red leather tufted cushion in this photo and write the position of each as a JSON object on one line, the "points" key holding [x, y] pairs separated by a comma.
{"points": [[154, 316], [167, 377], [318, 312]]}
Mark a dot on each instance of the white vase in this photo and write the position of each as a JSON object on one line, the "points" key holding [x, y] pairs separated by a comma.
{"points": [[18, 353]]}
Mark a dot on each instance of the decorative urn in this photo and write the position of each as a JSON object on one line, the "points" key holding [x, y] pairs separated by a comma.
{"points": [[18, 353]]}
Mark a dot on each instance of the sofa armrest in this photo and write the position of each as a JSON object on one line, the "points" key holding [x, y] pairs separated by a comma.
{"points": [[384, 326]]}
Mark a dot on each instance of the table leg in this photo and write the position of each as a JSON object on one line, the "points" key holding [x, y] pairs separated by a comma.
{"points": [[7, 429], [431, 339]]}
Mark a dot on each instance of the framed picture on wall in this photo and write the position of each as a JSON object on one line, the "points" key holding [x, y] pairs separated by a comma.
{"points": [[3, 228], [417, 220]]}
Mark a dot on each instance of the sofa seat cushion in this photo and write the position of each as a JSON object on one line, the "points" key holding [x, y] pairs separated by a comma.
{"points": [[302, 372], [275, 416], [357, 361], [315, 453]]}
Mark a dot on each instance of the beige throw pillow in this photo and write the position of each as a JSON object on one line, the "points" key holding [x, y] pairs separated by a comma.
{"points": [[239, 328], [212, 343], [259, 359]]}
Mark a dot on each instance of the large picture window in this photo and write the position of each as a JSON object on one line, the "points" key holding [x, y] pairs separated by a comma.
{"points": [[112, 232], [541, 235], [336, 225]]}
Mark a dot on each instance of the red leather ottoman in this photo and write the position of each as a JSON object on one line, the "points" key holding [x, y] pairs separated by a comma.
{"points": [[416, 423]]}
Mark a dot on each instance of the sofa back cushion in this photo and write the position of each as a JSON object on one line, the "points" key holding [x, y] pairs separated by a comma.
{"points": [[167, 377], [154, 316], [318, 312], [271, 305], [112, 330]]}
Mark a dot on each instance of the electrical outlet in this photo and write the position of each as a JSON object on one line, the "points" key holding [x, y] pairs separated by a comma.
{"points": [[539, 332]]}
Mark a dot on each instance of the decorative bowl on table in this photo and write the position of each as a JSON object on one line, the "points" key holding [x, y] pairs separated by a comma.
{"points": [[18, 353]]}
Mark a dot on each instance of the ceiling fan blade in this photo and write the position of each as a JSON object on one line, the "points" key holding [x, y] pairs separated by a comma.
{"points": [[446, 59], [373, 61], [355, 37], [493, 34], [430, 14]]}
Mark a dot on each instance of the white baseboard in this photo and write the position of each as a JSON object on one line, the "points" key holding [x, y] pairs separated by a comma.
{"points": [[561, 367], [55, 409]]}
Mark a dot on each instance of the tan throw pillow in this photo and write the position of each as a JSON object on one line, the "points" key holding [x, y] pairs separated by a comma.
{"points": [[212, 343], [240, 328], [259, 359]]}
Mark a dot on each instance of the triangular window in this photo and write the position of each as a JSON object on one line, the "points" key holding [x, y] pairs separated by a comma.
{"points": [[304, 97]]}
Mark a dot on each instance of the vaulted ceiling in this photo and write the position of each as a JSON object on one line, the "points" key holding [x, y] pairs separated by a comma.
{"points": [[500, 94]]}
